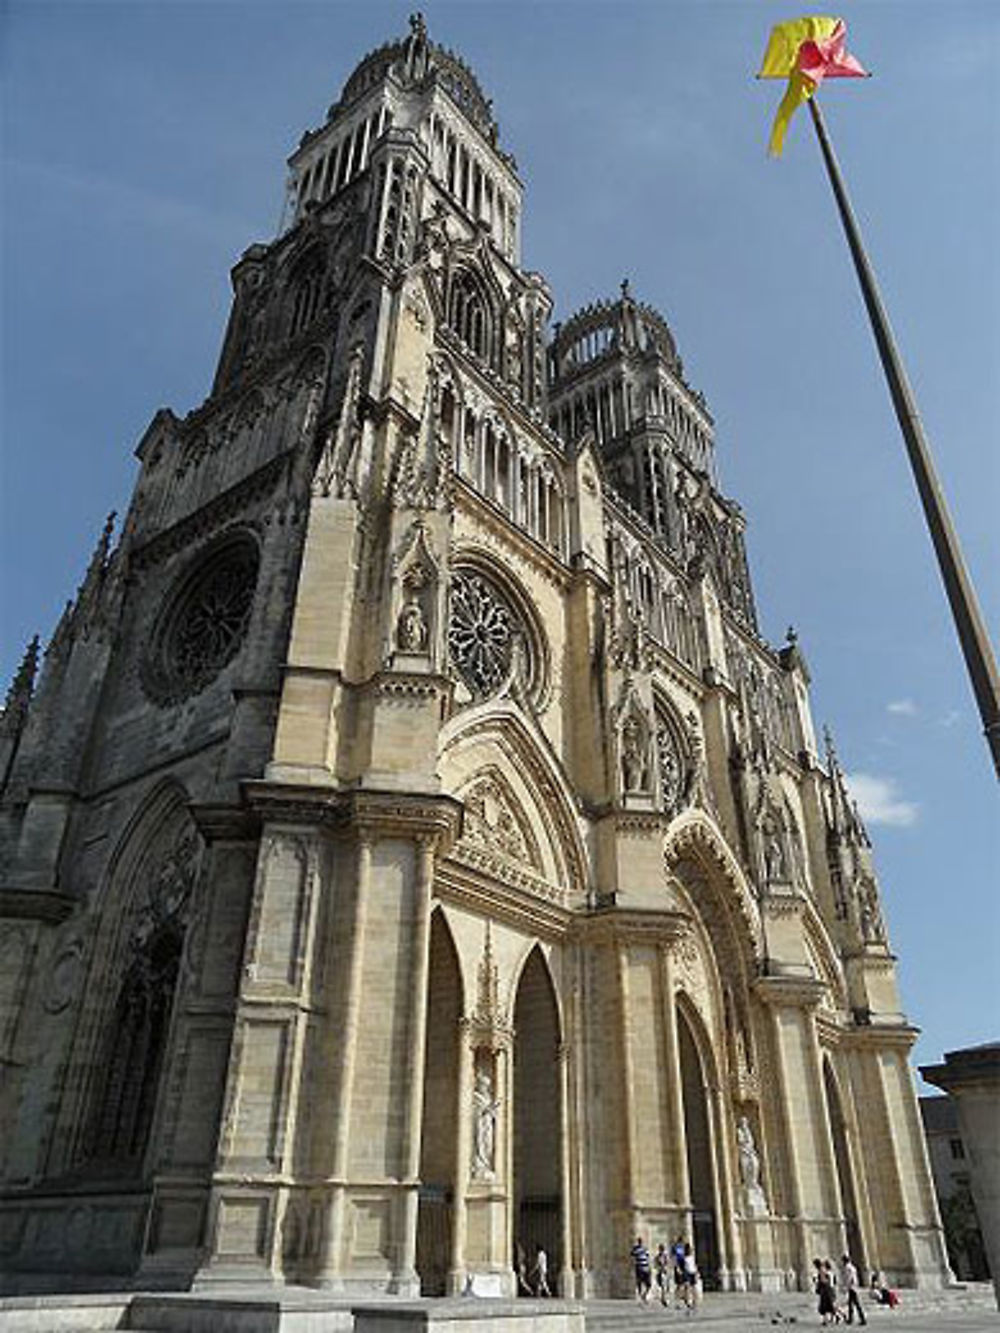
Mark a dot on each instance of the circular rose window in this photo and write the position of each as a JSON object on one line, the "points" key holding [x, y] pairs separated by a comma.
{"points": [[205, 623]]}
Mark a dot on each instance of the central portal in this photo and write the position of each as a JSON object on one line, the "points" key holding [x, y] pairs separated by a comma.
{"points": [[537, 1213]]}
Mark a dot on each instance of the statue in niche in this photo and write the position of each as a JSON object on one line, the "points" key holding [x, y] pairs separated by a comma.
{"points": [[411, 628], [774, 857], [633, 754], [485, 1108], [411, 625], [749, 1160]]}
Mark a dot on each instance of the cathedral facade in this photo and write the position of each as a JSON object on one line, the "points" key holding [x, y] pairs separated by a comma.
{"points": [[413, 852]]}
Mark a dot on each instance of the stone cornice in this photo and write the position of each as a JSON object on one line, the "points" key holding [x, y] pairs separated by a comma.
{"points": [[224, 823], [885, 1035], [35, 904], [633, 925], [500, 901], [372, 814], [794, 992]]}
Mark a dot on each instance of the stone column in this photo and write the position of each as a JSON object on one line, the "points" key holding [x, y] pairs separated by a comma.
{"points": [[681, 1184], [405, 1276], [566, 1273], [463, 1121], [630, 1215], [804, 1127], [343, 1076]]}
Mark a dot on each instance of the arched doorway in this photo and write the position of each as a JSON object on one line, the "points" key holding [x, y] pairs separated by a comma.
{"points": [[697, 1133], [439, 1123], [845, 1177], [537, 1202]]}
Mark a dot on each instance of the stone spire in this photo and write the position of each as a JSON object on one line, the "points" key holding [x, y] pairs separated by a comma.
{"points": [[18, 700]]}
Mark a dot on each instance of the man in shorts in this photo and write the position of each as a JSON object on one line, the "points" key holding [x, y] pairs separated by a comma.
{"points": [[643, 1269]]}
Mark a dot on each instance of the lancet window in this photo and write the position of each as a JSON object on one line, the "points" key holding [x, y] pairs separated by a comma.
{"points": [[469, 314]]}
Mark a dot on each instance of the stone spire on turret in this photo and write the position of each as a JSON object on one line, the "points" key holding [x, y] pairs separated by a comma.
{"points": [[18, 700]]}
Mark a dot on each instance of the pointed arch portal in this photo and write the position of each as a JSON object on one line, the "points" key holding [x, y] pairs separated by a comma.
{"points": [[697, 1134], [537, 1147], [439, 1134]]}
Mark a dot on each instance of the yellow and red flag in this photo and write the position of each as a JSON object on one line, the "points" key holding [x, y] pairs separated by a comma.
{"points": [[805, 52]]}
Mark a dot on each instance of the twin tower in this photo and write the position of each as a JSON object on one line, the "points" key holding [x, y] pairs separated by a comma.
{"points": [[413, 852]]}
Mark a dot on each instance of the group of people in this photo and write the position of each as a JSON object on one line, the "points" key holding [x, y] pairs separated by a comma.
{"points": [[676, 1264], [825, 1284]]}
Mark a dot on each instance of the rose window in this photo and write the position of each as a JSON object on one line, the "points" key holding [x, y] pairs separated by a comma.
{"points": [[482, 633], [206, 624]]}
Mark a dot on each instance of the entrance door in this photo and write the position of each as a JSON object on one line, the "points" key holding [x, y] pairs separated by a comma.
{"points": [[699, 1155], [537, 1213], [439, 1131]]}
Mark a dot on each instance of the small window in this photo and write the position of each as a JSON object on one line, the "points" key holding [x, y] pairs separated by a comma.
{"points": [[957, 1149]]}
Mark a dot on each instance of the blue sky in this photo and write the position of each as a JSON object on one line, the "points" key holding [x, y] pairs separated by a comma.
{"points": [[143, 150]]}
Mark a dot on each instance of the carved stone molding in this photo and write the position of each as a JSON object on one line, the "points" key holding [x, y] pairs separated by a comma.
{"points": [[633, 926], [792, 992], [372, 814]]}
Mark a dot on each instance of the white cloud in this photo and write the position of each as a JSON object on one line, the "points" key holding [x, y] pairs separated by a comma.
{"points": [[879, 801], [902, 707]]}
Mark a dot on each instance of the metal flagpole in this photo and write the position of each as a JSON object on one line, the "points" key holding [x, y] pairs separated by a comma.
{"points": [[972, 634]]}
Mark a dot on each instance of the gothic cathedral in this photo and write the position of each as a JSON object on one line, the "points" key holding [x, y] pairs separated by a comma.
{"points": [[414, 854]]}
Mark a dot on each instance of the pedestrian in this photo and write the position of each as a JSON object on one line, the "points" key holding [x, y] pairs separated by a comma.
{"points": [[521, 1263], [677, 1251], [690, 1288], [540, 1272], [643, 1269], [831, 1277], [662, 1264], [849, 1282], [826, 1305]]}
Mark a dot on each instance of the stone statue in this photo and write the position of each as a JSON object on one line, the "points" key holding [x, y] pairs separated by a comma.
{"points": [[749, 1159], [485, 1109], [411, 629], [633, 763]]}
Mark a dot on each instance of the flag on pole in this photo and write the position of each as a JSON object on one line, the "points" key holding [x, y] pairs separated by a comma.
{"points": [[805, 52]]}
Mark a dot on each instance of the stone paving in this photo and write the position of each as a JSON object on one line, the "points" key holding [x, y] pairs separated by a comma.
{"points": [[971, 1308]]}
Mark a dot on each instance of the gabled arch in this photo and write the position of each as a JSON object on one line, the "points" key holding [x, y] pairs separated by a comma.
{"points": [[499, 730], [695, 836]]}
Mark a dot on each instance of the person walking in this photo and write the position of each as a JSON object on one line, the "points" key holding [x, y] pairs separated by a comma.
{"points": [[677, 1253], [823, 1286], [662, 1265], [849, 1283], [643, 1269], [690, 1287], [540, 1272]]}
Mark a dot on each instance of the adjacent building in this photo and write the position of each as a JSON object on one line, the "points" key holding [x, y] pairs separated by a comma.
{"points": [[414, 851]]}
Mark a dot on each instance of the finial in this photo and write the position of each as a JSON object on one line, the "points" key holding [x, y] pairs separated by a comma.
{"points": [[791, 636], [21, 689], [418, 27], [626, 292]]}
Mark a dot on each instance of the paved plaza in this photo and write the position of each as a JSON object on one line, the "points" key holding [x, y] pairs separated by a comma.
{"points": [[971, 1308]]}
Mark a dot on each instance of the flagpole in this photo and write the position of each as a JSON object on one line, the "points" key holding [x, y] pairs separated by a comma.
{"points": [[972, 634]]}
